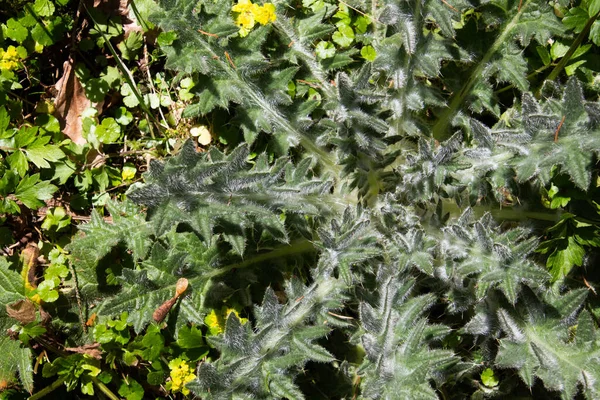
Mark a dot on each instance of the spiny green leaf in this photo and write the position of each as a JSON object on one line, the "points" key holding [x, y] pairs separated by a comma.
{"points": [[16, 358], [11, 284], [541, 350]]}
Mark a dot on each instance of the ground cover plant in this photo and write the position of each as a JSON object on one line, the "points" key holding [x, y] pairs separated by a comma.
{"points": [[385, 199]]}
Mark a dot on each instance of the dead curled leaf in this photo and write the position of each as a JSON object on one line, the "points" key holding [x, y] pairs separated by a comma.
{"points": [[161, 312], [91, 350], [70, 102], [119, 8], [30, 256], [21, 310]]}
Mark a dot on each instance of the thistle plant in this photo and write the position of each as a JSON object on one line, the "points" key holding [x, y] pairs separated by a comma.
{"points": [[373, 230]]}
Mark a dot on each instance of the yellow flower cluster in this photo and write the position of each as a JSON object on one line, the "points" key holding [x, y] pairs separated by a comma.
{"points": [[9, 59], [181, 374], [249, 14]]}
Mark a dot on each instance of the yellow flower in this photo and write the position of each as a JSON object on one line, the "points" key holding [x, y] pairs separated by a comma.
{"points": [[216, 320], [245, 20], [242, 6], [249, 14], [180, 374], [265, 14], [128, 172], [9, 58]]}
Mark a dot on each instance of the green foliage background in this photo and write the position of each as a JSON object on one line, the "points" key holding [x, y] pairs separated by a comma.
{"points": [[401, 200]]}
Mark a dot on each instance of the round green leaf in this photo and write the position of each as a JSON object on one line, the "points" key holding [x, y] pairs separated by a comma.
{"points": [[41, 34], [123, 116], [368, 53], [166, 38], [46, 291], [344, 36], [361, 23], [48, 122], [325, 50], [131, 390], [488, 378], [109, 131], [15, 31], [43, 8]]}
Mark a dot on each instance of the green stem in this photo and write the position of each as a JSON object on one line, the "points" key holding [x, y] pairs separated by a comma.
{"points": [[515, 214], [78, 298], [104, 389], [297, 247], [7, 148], [139, 17], [440, 129], [567, 57], [529, 77], [48, 389], [504, 214]]}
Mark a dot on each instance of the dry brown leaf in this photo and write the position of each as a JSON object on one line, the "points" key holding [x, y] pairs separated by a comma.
{"points": [[113, 7], [22, 310], [70, 102], [119, 8], [30, 256], [161, 312], [91, 350]]}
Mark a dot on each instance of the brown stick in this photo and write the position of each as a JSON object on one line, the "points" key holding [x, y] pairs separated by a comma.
{"points": [[558, 129], [208, 33]]}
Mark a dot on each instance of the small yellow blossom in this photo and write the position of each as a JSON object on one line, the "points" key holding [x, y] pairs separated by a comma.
{"points": [[249, 14], [265, 14], [243, 6], [128, 172], [9, 59], [181, 373], [217, 319], [246, 20]]}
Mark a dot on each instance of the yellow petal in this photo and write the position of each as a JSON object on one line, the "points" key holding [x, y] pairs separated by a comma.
{"points": [[265, 14], [245, 20], [242, 6], [270, 9]]}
